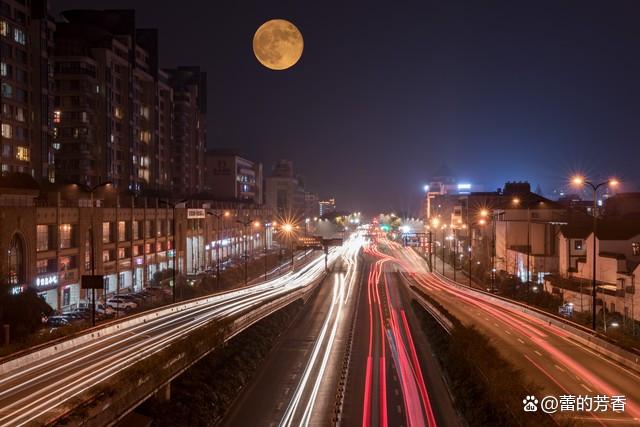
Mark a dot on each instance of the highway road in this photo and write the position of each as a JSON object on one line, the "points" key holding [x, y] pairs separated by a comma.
{"points": [[40, 391], [297, 383], [394, 379], [547, 355]]}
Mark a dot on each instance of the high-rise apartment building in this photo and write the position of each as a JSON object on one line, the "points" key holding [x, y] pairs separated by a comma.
{"points": [[189, 86], [106, 117], [26, 80]]}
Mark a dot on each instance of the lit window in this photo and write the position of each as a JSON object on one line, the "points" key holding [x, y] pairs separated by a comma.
{"points": [[635, 248], [106, 233], [19, 36], [22, 153], [20, 114], [66, 236], [145, 136], [117, 112], [7, 131], [57, 114], [7, 90], [577, 245], [4, 28], [42, 232], [3, 69]]}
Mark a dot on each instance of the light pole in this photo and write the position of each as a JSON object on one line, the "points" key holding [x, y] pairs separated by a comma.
{"points": [[455, 250], [218, 216], [579, 181], [93, 249], [175, 246], [444, 227], [288, 228], [435, 222], [245, 224]]}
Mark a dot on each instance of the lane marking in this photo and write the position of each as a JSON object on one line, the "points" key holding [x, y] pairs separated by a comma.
{"points": [[537, 352], [586, 388], [507, 332], [520, 341], [559, 368]]}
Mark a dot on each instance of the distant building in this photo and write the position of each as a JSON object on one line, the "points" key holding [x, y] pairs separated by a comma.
{"points": [[623, 205], [444, 183], [26, 140], [311, 205], [327, 206], [284, 194], [232, 177]]}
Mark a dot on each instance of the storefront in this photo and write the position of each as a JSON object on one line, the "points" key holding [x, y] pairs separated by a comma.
{"points": [[110, 283], [46, 285], [70, 296]]}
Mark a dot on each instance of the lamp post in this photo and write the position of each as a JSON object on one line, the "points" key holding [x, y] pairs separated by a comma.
{"points": [[93, 249], [435, 222], [444, 227], [455, 251], [288, 228], [175, 246], [257, 224], [580, 181], [264, 244], [218, 216], [245, 225]]}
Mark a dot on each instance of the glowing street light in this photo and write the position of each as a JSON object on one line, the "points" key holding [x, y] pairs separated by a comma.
{"points": [[579, 181]]}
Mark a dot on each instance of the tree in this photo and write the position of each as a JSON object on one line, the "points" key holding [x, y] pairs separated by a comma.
{"points": [[22, 312]]}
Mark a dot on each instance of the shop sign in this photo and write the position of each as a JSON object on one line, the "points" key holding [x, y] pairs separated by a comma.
{"points": [[50, 280], [195, 213]]}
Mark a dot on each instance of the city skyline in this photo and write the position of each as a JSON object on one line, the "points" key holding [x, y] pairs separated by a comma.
{"points": [[323, 213], [538, 84]]}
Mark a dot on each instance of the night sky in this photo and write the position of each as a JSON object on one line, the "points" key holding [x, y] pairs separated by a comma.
{"points": [[387, 92]]}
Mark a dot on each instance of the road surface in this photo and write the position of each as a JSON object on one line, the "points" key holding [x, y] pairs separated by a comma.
{"points": [[38, 391]]}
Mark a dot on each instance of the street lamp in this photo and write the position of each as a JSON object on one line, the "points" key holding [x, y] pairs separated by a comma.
{"points": [[175, 246], [93, 249], [580, 181], [246, 223], [288, 228], [264, 243], [218, 216]]}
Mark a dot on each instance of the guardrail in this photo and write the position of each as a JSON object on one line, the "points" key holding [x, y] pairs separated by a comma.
{"points": [[126, 401], [48, 349], [581, 334]]}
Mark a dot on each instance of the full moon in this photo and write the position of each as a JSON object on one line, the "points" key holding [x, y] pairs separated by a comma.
{"points": [[278, 44]]}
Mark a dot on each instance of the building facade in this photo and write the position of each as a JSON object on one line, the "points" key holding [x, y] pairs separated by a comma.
{"points": [[112, 107], [284, 194], [26, 80], [189, 86], [53, 239], [230, 176], [327, 206]]}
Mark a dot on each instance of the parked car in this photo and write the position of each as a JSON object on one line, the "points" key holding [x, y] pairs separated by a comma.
{"points": [[119, 301], [57, 321], [135, 297], [104, 309], [72, 315]]}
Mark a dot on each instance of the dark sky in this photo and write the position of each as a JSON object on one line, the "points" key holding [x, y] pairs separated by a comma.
{"points": [[386, 92]]}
